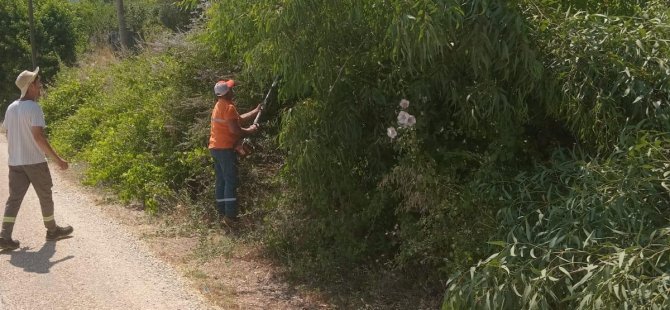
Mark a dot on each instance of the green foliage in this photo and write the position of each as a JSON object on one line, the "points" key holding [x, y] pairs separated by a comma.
{"points": [[518, 105], [436, 206], [609, 7], [127, 122], [579, 232], [65, 29], [612, 71], [585, 230], [56, 36], [307, 166], [96, 19], [174, 17], [468, 67], [147, 20], [74, 92], [496, 86], [14, 48]]}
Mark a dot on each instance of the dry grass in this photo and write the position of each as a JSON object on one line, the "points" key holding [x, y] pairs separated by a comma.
{"points": [[99, 56]]}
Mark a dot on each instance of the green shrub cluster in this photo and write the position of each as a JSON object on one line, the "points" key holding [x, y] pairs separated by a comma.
{"points": [[129, 122], [145, 19], [587, 228], [579, 232], [469, 70], [496, 88]]}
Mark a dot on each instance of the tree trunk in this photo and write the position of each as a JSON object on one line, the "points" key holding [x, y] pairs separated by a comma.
{"points": [[123, 31], [33, 44]]}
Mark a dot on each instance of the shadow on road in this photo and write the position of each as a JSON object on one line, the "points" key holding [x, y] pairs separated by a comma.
{"points": [[37, 262]]}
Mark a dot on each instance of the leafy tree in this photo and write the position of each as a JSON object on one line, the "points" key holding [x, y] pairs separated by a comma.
{"points": [[14, 47], [56, 35]]}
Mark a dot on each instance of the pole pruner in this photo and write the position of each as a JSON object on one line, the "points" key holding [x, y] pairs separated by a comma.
{"points": [[245, 147]]}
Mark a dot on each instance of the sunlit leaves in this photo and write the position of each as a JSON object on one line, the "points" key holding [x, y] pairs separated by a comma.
{"points": [[598, 241], [610, 69]]}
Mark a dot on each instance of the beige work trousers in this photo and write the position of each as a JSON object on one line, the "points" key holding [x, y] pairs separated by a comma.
{"points": [[20, 178]]}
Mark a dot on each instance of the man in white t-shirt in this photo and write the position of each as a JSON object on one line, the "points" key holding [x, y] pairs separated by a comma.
{"points": [[27, 146]]}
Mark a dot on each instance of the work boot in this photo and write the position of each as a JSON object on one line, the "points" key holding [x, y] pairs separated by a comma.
{"points": [[229, 225], [8, 244], [59, 233]]}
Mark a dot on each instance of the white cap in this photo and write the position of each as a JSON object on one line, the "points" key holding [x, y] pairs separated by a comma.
{"points": [[26, 78], [221, 87]]}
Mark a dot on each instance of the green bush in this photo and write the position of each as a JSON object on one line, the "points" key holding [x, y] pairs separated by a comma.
{"points": [[120, 120], [140, 125], [579, 232], [467, 67], [496, 88], [585, 229], [612, 71]]}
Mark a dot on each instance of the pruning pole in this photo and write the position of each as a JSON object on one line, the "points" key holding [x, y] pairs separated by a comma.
{"points": [[265, 100]]}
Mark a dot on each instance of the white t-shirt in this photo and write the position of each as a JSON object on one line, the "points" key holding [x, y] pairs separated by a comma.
{"points": [[21, 115]]}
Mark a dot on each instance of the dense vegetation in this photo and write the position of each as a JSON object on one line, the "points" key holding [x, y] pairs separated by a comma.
{"points": [[533, 172], [66, 29], [55, 29]]}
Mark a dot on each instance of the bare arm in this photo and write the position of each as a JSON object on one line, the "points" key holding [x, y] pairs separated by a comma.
{"points": [[43, 143], [237, 130], [249, 115]]}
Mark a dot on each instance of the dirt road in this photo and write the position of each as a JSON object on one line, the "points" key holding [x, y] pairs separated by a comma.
{"points": [[100, 267]]}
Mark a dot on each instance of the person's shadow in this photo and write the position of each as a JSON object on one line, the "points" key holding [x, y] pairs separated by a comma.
{"points": [[37, 262]]}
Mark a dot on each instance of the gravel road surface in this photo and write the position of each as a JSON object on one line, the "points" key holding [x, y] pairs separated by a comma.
{"points": [[100, 267]]}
